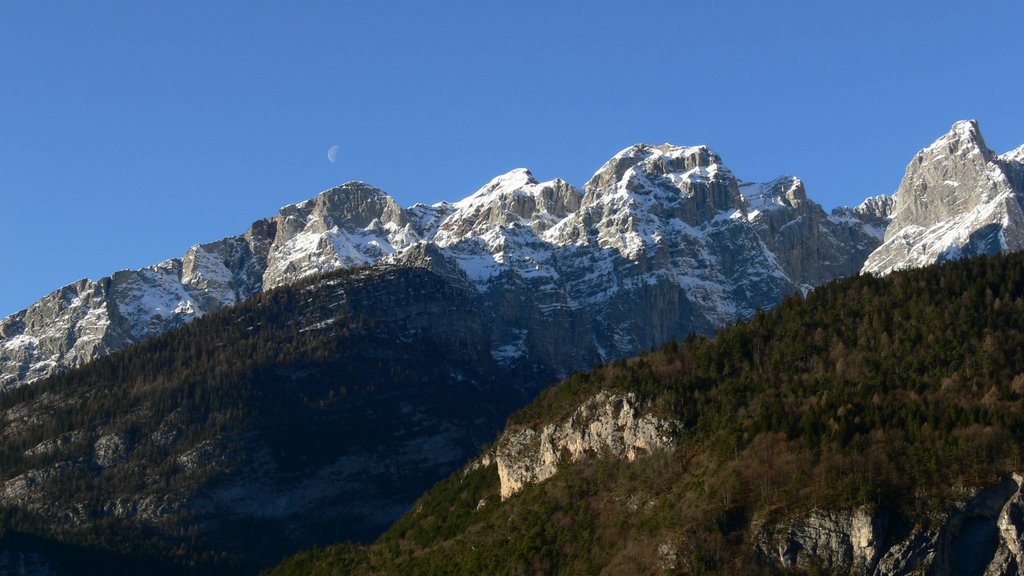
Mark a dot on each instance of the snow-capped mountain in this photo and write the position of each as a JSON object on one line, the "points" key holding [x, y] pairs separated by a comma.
{"points": [[662, 240], [958, 198]]}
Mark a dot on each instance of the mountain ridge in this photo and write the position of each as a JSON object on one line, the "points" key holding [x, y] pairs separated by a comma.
{"points": [[676, 213], [630, 212]]}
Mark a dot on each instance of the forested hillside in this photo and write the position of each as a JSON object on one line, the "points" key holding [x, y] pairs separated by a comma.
{"points": [[308, 414], [898, 396]]}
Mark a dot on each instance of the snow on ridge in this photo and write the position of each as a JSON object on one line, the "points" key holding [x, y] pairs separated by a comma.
{"points": [[511, 182], [539, 231], [776, 194], [428, 218], [1015, 155], [961, 130], [944, 240], [668, 150]]}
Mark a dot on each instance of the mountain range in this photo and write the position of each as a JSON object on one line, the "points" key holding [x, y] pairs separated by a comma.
{"points": [[671, 224], [189, 402], [659, 226]]}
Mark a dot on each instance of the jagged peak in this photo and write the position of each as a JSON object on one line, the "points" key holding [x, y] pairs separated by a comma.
{"points": [[963, 137], [1015, 155], [880, 206], [502, 185], [515, 198], [355, 203], [667, 150], [659, 160], [506, 187], [635, 168], [351, 190], [966, 128], [782, 192]]}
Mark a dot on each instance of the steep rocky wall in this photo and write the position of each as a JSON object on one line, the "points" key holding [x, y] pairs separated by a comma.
{"points": [[982, 534], [607, 424]]}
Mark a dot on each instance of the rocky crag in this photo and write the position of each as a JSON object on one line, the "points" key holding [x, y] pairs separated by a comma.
{"points": [[958, 198], [983, 533], [607, 425]]}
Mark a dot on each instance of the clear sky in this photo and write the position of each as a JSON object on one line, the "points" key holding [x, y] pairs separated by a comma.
{"points": [[131, 130]]}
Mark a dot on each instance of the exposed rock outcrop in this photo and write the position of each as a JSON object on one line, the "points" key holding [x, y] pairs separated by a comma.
{"points": [[811, 246], [983, 534], [848, 541], [606, 425]]}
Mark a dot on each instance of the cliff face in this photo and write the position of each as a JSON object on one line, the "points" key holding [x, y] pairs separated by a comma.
{"points": [[607, 426], [981, 534]]}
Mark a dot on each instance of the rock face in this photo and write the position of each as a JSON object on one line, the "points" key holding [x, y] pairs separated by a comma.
{"points": [[606, 425], [812, 247], [663, 240], [957, 199], [846, 541], [983, 534]]}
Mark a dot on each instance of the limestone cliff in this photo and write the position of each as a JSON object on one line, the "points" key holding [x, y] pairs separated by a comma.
{"points": [[606, 425], [981, 534]]}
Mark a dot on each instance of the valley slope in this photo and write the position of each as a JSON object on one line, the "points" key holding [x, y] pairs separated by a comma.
{"points": [[873, 427]]}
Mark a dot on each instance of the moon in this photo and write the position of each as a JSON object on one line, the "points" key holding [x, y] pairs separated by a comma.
{"points": [[332, 153]]}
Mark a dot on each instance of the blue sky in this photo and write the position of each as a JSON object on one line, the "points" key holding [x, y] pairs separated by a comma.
{"points": [[130, 130]]}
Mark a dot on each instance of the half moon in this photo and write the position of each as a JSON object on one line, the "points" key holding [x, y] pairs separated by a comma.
{"points": [[332, 153]]}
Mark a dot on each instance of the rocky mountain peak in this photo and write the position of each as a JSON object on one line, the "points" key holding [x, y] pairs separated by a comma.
{"points": [[666, 223], [349, 225], [957, 198], [427, 218], [1016, 155], [943, 165], [876, 207], [357, 205], [654, 162], [964, 134], [785, 191], [515, 198], [665, 182]]}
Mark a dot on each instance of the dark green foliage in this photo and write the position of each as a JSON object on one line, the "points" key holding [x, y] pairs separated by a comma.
{"points": [[301, 375], [882, 392]]}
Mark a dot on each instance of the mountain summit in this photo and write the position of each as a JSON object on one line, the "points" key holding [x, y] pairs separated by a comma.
{"points": [[957, 198]]}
